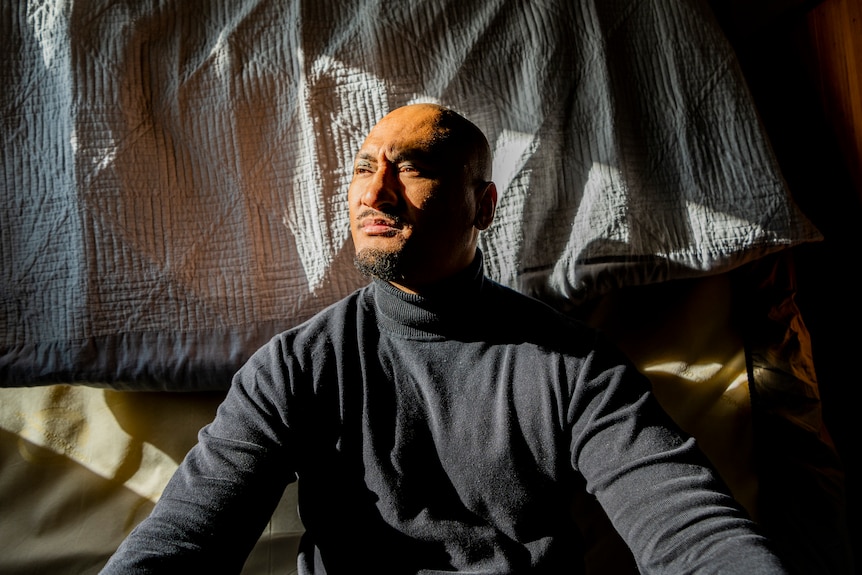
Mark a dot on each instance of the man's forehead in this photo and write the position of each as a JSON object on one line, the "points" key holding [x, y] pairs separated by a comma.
{"points": [[404, 144], [418, 133], [394, 150]]}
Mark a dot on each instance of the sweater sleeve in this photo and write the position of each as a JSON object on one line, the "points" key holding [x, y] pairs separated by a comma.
{"points": [[657, 488], [216, 505]]}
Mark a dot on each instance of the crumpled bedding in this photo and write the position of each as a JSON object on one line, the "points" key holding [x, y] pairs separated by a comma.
{"points": [[81, 466], [174, 173]]}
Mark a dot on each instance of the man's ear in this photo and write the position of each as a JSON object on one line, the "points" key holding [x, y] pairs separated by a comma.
{"points": [[486, 205]]}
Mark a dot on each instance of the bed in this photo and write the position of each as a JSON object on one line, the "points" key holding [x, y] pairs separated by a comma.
{"points": [[174, 182]]}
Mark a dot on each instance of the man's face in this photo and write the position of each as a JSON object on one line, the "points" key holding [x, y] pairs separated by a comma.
{"points": [[412, 204]]}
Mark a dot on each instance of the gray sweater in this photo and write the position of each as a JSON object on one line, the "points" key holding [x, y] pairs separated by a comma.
{"points": [[443, 433]]}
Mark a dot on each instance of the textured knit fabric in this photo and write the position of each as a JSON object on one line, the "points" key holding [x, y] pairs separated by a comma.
{"points": [[443, 433]]}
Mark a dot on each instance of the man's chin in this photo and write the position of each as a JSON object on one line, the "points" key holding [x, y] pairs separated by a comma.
{"points": [[382, 264]]}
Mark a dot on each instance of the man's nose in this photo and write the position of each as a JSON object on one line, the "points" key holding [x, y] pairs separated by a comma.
{"points": [[383, 188]]}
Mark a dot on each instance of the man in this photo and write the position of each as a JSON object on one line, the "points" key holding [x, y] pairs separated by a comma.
{"points": [[436, 421]]}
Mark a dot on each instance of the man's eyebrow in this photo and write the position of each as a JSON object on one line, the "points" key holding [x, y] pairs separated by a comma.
{"points": [[400, 156], [413, 155]]}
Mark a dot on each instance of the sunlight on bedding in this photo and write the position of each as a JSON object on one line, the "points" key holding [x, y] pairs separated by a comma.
{"points": [[79, 424]]}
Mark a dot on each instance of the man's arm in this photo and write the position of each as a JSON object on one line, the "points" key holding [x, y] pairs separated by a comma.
{"points": [[216, 505], [659, 491]]}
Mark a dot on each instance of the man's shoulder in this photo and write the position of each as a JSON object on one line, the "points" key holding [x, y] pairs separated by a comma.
{"points": [[321, 334], [510, 309], [336, 313], [522, 303]]}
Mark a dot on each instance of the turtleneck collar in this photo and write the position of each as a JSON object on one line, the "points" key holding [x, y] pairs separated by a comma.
{"points": [[441, 310]]}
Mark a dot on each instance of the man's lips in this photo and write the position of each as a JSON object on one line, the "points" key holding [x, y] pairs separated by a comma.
{"points": [[378, 225]]}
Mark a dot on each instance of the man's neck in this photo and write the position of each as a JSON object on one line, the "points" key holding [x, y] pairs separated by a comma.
{"points": [[406, 289]]}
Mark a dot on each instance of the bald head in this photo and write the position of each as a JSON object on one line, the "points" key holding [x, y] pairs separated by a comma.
{"points": [[444, 132], [420, 193]]}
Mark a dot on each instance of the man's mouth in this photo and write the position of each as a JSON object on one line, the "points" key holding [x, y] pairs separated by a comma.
{"points": [[378, 224]]}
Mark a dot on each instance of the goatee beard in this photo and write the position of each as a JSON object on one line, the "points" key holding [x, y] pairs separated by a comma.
{"points": [[378, 263]]}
